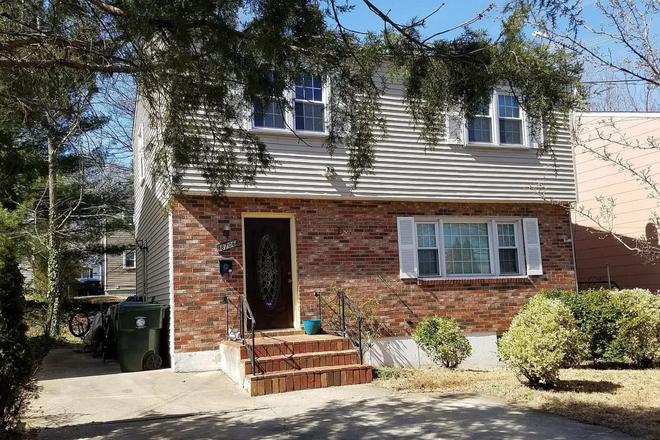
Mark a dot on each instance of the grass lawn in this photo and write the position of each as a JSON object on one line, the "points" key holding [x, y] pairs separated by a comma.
{"points": [[623, 399]]}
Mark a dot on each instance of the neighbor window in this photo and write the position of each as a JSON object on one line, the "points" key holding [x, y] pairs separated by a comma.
{"points": [[501, 122], [468, 248], [307, 113], [129, 259]]}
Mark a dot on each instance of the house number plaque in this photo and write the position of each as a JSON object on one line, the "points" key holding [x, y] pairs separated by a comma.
{"points": [[227, 245]]}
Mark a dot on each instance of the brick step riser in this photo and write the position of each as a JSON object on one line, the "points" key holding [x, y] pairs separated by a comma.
{"points": [[301, 381], [276, 333], [305, 361], [293, 348]]}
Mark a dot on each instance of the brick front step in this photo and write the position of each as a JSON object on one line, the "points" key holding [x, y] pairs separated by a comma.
{"points": [[275, 333], [271, 364], [321, 377], [294, 344]]}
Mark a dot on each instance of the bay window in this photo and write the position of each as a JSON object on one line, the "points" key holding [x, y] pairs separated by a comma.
{"points": [[452, 247]]}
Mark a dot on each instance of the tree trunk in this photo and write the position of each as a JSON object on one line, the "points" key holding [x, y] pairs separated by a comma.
{"points": [[54, 257]]}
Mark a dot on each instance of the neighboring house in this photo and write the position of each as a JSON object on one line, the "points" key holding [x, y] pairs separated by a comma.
{"points": [[602, 257], [118, 270], [465, 230]]}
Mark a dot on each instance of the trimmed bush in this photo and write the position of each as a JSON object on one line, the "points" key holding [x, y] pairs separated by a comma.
{"points": [[542, 337], [597, 314], [443, 340], [616, 325], [638, 336]]}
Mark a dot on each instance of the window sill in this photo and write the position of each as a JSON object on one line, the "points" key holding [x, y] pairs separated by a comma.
{"points": [[289, 133], [522, 279], [498, 146]]}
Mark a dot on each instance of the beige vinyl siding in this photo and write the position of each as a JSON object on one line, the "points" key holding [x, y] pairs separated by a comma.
{"points": [[406, 169], [151, 222], [119, 280], [633, 208]]}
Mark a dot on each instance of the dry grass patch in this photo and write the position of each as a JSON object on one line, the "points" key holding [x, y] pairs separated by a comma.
{"points": [[622, 399]]}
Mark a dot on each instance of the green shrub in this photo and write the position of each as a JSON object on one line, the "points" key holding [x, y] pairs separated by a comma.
{"points": [[597, 314], [542, 337], [16, 360], [616, 324], [443, 340], [638, 336], [387, 373]]}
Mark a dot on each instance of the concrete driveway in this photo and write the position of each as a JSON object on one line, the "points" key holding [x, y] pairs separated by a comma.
{"points": [[82, 398]]}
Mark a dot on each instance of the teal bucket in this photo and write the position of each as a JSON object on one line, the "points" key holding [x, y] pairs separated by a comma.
{"points": [[312, 326]]}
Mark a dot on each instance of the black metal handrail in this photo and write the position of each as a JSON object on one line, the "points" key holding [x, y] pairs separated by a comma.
{"points": [[343, 301], [245, 315]]}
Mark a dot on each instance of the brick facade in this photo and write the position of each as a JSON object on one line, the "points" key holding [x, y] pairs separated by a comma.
{"points": [[351, 244]]}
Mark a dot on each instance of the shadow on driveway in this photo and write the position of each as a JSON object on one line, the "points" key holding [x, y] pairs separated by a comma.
{"points": [[402, 417]]}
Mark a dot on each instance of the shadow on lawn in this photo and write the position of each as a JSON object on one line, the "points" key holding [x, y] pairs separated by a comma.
{"points": [[587, 386]]}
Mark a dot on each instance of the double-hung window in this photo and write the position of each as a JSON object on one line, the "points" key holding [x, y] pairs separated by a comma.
{"points": [[502, 122], [454, 247], [307, 113], [268, 116], [480, 127], [427, 249], [309, 104], [129, 259]]}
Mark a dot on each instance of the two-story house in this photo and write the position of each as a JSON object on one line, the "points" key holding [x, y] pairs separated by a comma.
{"points": [[466, 229]]}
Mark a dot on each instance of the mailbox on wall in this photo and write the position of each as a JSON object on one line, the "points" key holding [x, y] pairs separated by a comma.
{"points": [[226, 265]]}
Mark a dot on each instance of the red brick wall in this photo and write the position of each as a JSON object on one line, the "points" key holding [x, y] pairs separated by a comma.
{"points": [[351, 244]]}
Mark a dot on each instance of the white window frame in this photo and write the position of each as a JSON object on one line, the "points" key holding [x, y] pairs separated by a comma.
{"points": [[290, 118], [493, 245], [517, 229], [134, 259], [495, 126], [437, 248]]}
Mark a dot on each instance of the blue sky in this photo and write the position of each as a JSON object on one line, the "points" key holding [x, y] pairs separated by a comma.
{"points": [[451, 14]]}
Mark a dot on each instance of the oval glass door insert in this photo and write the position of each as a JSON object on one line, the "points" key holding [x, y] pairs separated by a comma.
{"points": [[268, 273]]}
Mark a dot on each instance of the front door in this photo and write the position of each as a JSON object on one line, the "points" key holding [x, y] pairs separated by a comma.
{"points": [[268, 279]]}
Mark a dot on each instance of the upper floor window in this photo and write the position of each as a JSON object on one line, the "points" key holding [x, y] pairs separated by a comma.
{"points": [[308, 100], [309, 104], [129, 259], [501, 122]]}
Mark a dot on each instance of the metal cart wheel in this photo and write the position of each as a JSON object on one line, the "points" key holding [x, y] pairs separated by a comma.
{"points": [[153, 362]]}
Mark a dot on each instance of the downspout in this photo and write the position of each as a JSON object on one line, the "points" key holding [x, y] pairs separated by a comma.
{"points": [[570, 223], [574, 135]]}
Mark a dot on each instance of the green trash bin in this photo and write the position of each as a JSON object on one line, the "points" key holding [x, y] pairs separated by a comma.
{"points": [[138, 335]]}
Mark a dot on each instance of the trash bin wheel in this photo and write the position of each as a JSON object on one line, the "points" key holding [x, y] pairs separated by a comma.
{"points": [[153, 362]]}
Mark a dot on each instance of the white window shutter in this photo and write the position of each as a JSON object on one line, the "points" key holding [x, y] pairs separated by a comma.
{"points": [[455, 129], [532, 246], [407, 251]]}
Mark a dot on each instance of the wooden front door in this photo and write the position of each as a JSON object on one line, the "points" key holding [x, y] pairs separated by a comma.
{"points": [[268, 276]]}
